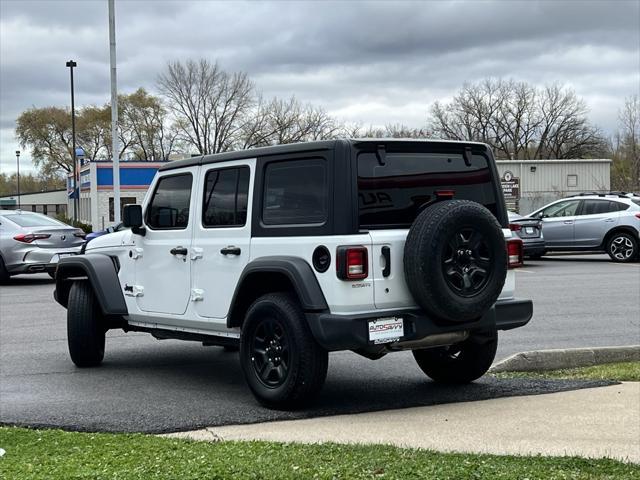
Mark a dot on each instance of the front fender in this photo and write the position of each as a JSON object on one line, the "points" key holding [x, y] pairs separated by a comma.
{"points": [[101, 272]]}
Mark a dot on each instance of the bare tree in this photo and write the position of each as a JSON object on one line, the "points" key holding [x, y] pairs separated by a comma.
{"points": [[287, 121], [625, 147], [518, 120], [210, 104]]}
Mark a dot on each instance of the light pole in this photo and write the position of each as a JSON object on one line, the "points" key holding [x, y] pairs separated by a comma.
{"points": [[76, 191], [18, 174]]}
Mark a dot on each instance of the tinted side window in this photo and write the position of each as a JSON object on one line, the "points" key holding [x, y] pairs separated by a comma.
{"points": [[594, 207], [224, 203], [618, 206], [169, 207], [562, 209], [295, 192]]}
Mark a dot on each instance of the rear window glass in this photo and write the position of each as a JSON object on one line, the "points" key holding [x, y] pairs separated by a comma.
{"points": [[295, 192], [393, 190], [637, 202], [31, 220]]}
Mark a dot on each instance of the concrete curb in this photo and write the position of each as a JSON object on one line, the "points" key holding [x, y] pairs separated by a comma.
{"points": [[566, 358]]}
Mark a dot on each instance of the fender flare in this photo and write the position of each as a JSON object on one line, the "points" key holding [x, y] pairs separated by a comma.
{"points": [[100, 271], [296, 270]]}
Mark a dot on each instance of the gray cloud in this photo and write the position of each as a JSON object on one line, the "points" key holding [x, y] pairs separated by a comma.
{"points": [[372, 62]]}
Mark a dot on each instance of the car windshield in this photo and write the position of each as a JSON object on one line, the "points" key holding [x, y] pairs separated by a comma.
{"points": [[32, 220]]}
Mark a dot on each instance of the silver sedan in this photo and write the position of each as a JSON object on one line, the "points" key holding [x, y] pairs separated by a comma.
{"points": [[32, 242]]}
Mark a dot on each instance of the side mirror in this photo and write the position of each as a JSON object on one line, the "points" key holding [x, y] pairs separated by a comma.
{"points": [[132, 217]]}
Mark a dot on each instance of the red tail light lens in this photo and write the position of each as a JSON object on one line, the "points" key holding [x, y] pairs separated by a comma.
{"points": [[80, 234], [638, 215], [514, 227], [445, 193], [351, 263], [30, 237], [514, 252]]}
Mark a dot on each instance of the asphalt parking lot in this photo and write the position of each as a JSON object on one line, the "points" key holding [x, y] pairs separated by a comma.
{"points": [[155, 386]]}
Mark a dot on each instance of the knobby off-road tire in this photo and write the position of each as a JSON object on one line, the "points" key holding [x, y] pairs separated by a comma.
{"points": [[623, 248], [460, 363], [455, 260], [85, 326], [282, 363]]}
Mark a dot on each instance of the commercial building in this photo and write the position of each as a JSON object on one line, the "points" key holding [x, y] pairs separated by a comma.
{"points": [[96, 203], [52, 203], [530, 184]]}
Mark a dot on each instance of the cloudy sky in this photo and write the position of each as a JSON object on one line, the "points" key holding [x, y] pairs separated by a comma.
{"points": [[368, 62]]}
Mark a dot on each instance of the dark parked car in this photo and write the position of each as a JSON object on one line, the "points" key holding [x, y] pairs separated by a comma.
{"points": [[530, 231], [99, 233]]}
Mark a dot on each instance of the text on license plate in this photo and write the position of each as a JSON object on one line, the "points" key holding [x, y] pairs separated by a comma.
{"points": [[384, 330], [528, 230], [56, 258]]}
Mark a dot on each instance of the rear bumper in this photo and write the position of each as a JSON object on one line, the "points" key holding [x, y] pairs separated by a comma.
{"points": [[41, 260], [534, 247], [350, 332]]}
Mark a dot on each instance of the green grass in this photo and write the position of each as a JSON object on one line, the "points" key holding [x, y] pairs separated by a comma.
{"points": [[53, 454], [622, 372]]}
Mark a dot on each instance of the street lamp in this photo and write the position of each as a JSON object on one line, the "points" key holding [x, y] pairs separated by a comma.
{"points": [[18, 174], [71, 64]]}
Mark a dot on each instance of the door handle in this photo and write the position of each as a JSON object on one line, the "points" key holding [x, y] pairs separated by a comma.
{"points": [[178, 251], [386, 254], [230, 250], [610, 220], [568, 222]]}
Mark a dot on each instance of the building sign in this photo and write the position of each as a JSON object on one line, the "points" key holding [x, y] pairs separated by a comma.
{"points": [[510, 185]]}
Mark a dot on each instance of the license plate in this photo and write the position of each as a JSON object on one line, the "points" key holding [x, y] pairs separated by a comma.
{"points": [[56, 258], [529, 230], [386, 330]]}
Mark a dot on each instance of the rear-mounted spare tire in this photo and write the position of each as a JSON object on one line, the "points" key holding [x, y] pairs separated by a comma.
{"points": [[455, 260]]}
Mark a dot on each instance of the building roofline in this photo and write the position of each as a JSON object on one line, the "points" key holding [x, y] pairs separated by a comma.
{"points": [[559, 160]]}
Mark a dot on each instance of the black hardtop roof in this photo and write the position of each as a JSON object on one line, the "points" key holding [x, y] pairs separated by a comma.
{"points": [[294, 148]]}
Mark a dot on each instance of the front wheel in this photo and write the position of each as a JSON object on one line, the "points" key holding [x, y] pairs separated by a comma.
{"points": [[282, 363], [460, 363], [85, 326], [622, 247]]}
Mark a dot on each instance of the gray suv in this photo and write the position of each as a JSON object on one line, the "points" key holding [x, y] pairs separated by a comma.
{"points": [[588, 222]]}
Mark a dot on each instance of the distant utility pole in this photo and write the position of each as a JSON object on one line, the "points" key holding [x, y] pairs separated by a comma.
{"points": [[115, 148], [18, 165], [76, 188]]}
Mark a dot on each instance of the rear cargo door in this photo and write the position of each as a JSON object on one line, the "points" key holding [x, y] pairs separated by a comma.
{"points": [[396, 182]]}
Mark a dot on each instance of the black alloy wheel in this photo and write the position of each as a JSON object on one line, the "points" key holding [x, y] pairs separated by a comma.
{"points": [[270, 353], [467, 262]]}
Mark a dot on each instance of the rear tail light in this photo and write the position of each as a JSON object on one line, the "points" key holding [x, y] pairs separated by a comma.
{"points": [[80, 234], [30, 237], [637, 215], [514, 227], [514, 252], [445, 194], [351, 263]]}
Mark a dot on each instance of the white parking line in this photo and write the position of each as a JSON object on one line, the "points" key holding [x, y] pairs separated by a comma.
{"points": [[525, 271]]}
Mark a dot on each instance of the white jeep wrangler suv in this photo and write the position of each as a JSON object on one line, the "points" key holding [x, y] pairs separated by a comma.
{"points": [[293, 251]]}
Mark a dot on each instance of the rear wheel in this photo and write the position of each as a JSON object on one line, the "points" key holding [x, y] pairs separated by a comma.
{"points": [[85, 326], [282, 363], [460, 363], [622, 247]]}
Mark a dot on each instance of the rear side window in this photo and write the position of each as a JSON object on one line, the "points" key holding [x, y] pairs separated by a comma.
{"points": [[562, 209], [169, 207], [594, 207], [295, 192], [224, 203], [392, 191]]}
